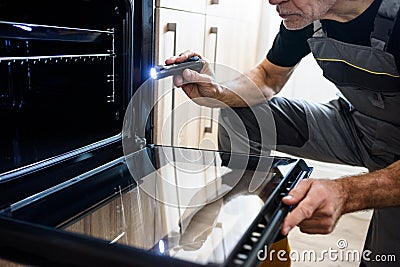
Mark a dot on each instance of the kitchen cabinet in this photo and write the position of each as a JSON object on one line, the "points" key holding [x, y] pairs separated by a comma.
{"points": [[176, 31], [226, 33], [231, 34]]}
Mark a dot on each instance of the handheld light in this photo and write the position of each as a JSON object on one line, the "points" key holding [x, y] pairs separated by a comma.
{"points": [[163, 71]]}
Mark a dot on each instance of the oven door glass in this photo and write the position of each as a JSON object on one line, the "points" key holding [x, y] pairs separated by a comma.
{"points": [[188, 204]]}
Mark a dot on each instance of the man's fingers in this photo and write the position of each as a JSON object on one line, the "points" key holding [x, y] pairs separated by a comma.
{"points": [[314, 230], [171, 60], [190, 91], [317, 225], [300, 213], [178, 80], [182, 57], [298, 193], [310, 201], [191, 79], [185, 55], [191, 76]]}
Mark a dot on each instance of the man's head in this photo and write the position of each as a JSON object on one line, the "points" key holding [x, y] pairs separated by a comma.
{"points": [[297, 14]]}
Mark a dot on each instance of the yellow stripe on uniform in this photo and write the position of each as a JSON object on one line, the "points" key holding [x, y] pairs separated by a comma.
{"points": [[357, 67]]}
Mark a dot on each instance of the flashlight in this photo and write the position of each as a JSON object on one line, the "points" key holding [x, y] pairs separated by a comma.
{"points": [[162, 71]]}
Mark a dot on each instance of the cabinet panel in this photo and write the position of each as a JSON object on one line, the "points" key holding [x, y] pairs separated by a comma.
{"points": [[232, 45], [230, 42], [176, 31], [198, 6]]}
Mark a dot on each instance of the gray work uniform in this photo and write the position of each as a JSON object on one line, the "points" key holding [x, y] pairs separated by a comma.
{"points": [[361, 128]]}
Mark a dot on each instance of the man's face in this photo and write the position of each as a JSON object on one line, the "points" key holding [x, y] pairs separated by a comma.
{"points": [[297, 14]]}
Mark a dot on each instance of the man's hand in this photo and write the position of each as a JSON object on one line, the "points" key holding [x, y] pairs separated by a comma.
{"points": [[200, 87], [251, 88], [320, 205], [322, 202]]}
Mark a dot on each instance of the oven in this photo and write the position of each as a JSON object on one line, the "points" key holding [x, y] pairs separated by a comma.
{"points": [[67, 72], [70, 196]]}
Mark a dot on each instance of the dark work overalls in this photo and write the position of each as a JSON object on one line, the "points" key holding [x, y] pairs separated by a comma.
{"points": [[361, 128]]}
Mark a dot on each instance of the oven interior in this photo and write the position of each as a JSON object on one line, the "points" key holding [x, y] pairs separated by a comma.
{"points": [[65, 76]]}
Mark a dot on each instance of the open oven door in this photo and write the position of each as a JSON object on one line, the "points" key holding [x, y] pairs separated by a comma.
{"points": [[107, 217]]}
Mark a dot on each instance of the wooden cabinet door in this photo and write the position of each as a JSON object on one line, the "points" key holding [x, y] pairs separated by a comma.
{"points": [[176, 116], [232, 46], [236, 38], [235, 9]]}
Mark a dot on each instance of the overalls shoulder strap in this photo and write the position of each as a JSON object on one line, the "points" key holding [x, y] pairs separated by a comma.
{"points": [[367, 76], [384, 23], [318, 30]]}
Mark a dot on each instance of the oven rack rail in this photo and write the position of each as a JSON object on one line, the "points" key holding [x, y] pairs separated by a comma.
{"points": [[57, 58], [16, 30]]}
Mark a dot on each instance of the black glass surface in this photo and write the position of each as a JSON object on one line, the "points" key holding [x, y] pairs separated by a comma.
{"points": [[160, 204], [190, 204]]}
